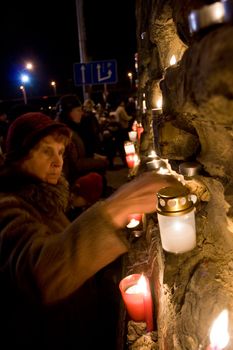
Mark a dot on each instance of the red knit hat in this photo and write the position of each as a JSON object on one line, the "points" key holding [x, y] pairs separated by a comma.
{"points": [[27, 130], [90, 187]]}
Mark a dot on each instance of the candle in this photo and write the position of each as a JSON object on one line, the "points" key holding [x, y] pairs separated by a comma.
{"points": [[129, 147], [177, 235], [172, 60], [134, 220], [139, 130], [132, 136], [134, 126], [135, 217], [136, 294], [133, 223], [132, 160], [219, 336], [162, 171], [152, 154], [176, 219]]}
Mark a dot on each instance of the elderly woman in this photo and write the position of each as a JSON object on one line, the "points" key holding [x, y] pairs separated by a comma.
{"points": [[46, 262]]}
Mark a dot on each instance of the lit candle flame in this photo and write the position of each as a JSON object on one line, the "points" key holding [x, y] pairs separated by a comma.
{"points": [[152, 154], [162, 171], [159, 102], [142, 284], [139, 288], [219, 336], [173, 60], [133, 223]]}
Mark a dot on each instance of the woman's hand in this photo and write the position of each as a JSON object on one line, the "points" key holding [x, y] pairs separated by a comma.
{"points": [[137, 196]]}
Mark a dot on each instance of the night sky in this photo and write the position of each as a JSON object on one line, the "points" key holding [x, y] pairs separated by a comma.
{"points": [[46, 33]]}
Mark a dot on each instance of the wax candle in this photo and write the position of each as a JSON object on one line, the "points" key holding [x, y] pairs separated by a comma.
{"points": [[134, 220], [132, 136], [129, 147], [132, 160], [137, 297], [152, 154], [178, 234], [134, 126], [219, 336], [139, 130]]}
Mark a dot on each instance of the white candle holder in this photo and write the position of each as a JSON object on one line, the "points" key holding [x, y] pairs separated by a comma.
{"points": [[129, 147], [133, 136], [176, 219]]}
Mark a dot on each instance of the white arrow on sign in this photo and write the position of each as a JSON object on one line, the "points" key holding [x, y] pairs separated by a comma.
{"points": [[98, 67], [83, 68]]}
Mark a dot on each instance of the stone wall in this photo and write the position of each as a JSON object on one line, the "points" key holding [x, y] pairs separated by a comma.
{"points": [[190, 289]]}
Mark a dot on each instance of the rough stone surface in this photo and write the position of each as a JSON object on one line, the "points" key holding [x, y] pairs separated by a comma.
{"points": [[190, 289]]}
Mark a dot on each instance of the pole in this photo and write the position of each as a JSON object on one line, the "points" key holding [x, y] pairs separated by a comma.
{"points": [[24, 94], [82, 39]]}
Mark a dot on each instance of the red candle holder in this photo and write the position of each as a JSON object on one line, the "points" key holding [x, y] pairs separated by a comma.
{"points": [[137, 299], [137, 217], [140, 130], [132, 160]]}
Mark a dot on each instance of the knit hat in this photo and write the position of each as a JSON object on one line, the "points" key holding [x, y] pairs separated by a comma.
{"points": [[27, 130], [90, 187], [67, 103]]}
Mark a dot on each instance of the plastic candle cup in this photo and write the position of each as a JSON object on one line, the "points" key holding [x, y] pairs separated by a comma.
{"points": [[137, 298], [132, 136], [176, 219]]}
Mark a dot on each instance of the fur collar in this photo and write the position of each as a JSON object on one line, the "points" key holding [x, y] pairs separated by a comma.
{"points": [[48, 198]]}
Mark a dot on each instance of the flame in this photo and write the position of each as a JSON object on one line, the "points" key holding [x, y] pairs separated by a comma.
{"points": [[162, 171], [172, 60], [159, 102], [142, 284], [133, 223], [139, 288], [219, 336], [152, 154]]}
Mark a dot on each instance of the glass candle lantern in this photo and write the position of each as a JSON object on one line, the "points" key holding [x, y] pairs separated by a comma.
{"points": [[176, 219], [129, 147], [132, 136]]}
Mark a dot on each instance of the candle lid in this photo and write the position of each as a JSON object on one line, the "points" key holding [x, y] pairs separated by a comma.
{"points": [[157, 111], [209, 15], [190, 168], [174, 201]]}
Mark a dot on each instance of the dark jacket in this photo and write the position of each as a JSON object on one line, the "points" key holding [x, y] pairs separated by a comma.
{"points": [[76, 161], [46, 264]]}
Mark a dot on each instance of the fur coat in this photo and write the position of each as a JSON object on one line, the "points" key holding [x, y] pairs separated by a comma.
{"points": [[46, 262]]}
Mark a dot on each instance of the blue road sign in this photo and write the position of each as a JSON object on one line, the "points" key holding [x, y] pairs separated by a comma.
{"points": [[104, 72], [96, 72], [82, 74]]}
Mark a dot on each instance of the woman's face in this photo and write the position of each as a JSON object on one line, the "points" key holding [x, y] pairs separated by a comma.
{"points": [[45, 160], [76, 114]]}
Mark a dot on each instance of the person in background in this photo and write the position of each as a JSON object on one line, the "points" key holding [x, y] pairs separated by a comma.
{"points": [[122, 135], [76, 162], [47, 298], [90, 131]]}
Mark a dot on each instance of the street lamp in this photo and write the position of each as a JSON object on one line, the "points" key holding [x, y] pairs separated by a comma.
{"points": [[53, 84], [22, 88], [29, 66], [130, 76], [24, 79]]}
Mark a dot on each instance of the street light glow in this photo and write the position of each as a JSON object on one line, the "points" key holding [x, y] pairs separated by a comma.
{"points": [[24, 78], [29, 66]]}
